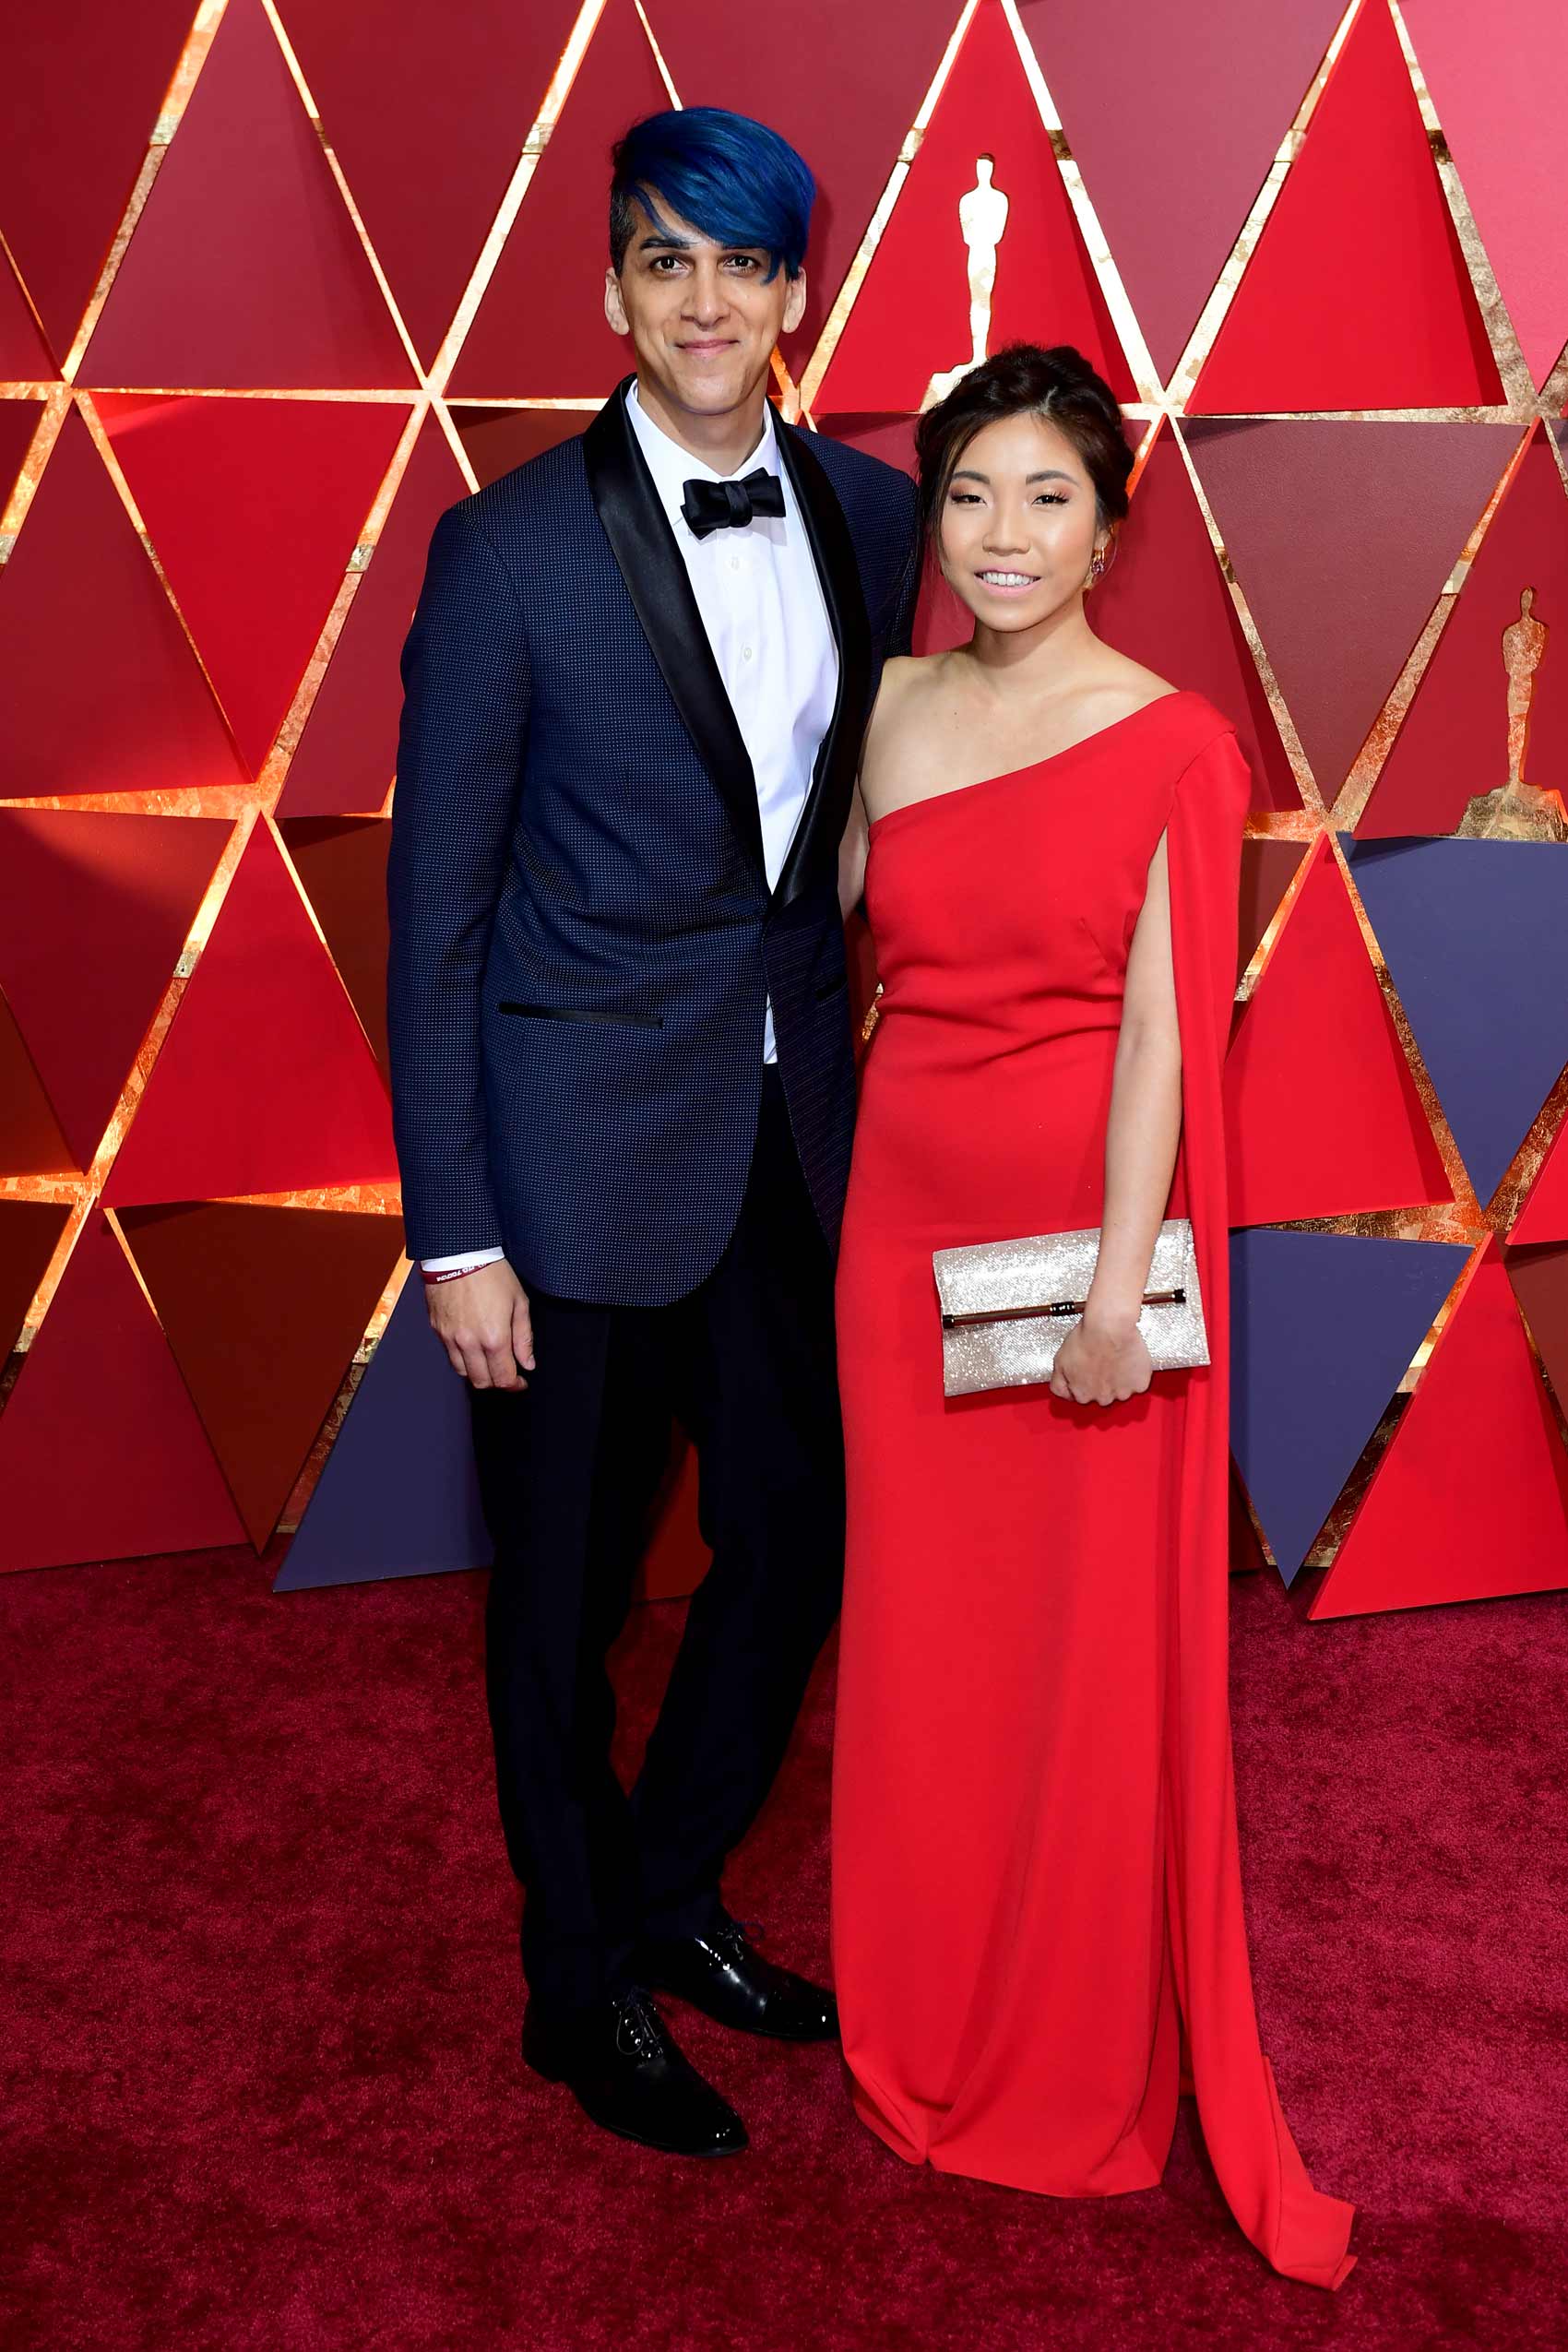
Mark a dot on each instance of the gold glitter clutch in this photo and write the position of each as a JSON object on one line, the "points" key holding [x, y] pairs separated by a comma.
{"points": [[1007, 1306]]}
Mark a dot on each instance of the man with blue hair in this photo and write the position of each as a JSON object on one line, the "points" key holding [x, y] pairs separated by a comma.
{"points": [[623, 1088]]}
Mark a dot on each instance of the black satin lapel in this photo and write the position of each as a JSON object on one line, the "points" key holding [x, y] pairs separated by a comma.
{"points": [[828, 806], [644, 547]]}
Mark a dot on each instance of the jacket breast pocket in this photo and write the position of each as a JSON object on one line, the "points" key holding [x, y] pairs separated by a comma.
{"points": [[580, 1013]]}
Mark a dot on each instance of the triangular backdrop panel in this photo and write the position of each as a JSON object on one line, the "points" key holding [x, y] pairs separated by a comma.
{"points": [[254, 507], [1541, 1284], [94, 911], [348, 746], [1164, 601], [265, 1083], [28, 1232], [101, 1455], [1358, 295], [1502, 100], [495, 440], [1360, 519], [245, 267], [1475, 935], [541, 329], [426, 110], [264, 1308], [18, 422], [1222, 82], [101, 689], [95, 76], [832, 82], [1544, 1216], [1324, 1328], [1454, 741], [1046, 291], [398, 1495], [1322, 1115], [1268, 868], [25, 357], [1470, 1500], [32, 1141], [342, 863]]}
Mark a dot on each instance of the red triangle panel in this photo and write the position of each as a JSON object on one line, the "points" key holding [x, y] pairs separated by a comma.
{"points": [[28, 1232], [1321, 1113], [100, 690], [540, 330], [1544, 1216], [1471, 1498], [31, 1141], [245, 268], [101, 1455], [1358, 296], [264, 1308], [342, 863], [265, 1083], [405, 79], [254, 507], [1045, 290], [94, 911], [349, 748]]}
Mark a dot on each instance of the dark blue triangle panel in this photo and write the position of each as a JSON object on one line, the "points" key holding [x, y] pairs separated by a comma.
{"points": [[398, 1495], [1475, 934], [1323, 1329]]}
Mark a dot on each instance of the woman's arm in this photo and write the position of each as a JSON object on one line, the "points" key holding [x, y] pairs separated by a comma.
{"points": [[1103, 1359]]}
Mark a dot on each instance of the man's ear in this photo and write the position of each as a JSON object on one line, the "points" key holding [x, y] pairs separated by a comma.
{"points": [[795, 303], [614, 308]]}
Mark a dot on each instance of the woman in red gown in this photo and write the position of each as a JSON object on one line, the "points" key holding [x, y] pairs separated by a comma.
{"points": [[1036, 1909]]}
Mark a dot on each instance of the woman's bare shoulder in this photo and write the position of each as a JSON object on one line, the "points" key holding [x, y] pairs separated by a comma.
{"points": [[907, 682]]}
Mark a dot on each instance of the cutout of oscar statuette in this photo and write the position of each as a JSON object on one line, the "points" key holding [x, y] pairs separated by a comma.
{"points": [[1517, 811], [983, 217]]}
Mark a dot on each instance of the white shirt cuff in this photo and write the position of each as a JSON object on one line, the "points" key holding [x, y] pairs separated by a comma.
{"points": [[467, 1259]]}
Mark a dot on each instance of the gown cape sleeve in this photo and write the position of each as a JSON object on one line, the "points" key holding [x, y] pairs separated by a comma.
{"points": [[1299, 2231]]}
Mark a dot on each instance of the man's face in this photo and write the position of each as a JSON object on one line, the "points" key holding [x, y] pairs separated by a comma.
{"points": [[702, 320]]}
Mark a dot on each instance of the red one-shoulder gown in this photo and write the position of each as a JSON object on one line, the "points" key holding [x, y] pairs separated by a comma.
{"points": [[1036, 1885]]}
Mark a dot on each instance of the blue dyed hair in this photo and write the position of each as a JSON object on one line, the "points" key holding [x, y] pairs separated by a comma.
{"points": [[735, 180]]}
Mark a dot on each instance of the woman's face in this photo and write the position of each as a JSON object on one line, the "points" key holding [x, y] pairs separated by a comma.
{"points": [[1017, 528]]}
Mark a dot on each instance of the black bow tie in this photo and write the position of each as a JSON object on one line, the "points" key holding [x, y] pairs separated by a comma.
{"points": [[714, 506]]}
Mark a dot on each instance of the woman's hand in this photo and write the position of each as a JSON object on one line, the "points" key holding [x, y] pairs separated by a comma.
{"points": [[1101, 1361]]}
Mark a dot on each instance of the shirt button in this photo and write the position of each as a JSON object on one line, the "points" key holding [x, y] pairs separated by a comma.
{"points": [[734, 563], [746, 653]]}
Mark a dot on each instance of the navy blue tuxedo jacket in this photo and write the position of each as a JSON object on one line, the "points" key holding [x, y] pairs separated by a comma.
{"points": [[582, 933]]}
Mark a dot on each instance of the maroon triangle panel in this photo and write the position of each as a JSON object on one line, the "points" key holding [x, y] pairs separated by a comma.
{"points": [[1164, 601], [94, 911], [495, 440], [254, 507], [265, 1083], [1541, 1284], [1359, 519], [28, 1232], [24, 356], [1454, 742], [1268, 868], [245, 267], [1500, 98], [342, 863], [101, 691], [32, 1141], [838, 83], [348, 747], [95, 75], [264, 1308], [1146, 89], [101, 1455], [459, 85], [18, 422]]}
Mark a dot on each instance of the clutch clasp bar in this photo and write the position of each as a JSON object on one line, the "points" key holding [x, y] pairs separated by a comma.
{"points": [[1056, 1307]]}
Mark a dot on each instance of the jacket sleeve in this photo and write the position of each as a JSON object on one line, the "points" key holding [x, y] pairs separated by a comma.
{"points": [[459, 770]]}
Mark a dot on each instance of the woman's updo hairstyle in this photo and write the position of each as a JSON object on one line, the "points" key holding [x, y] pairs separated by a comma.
{"points": [[1025, 380]]}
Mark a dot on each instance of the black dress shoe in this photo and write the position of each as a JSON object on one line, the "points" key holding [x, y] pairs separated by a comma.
{"points": [[621, 2064], [721, 1974]]}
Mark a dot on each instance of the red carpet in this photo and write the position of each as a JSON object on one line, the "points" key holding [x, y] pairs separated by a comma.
{"points": [[262, 2089]]}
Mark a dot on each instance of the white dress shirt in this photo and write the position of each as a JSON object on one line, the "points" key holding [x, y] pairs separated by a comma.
{"points": [[762, 605]]}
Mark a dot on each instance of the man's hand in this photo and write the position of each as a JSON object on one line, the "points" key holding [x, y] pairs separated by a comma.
{"points": [[482, 1320]]}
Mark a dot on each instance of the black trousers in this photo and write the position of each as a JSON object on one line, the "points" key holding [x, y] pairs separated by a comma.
{"points": [[567, 1469]]}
